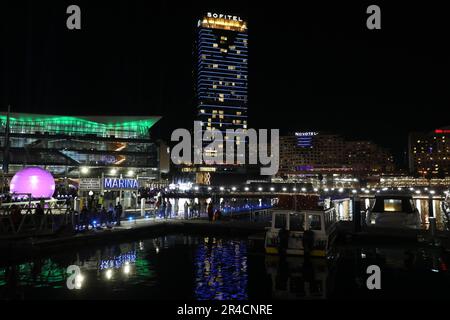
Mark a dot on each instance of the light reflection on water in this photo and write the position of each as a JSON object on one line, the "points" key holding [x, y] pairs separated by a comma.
{"points": [[220, 268]]}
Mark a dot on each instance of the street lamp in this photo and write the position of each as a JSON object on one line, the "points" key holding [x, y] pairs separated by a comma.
{"points": [[130, 173], [84, 170], [113, 172]]}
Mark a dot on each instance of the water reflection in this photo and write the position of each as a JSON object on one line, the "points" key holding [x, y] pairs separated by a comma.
{"points": [[221, 270], [297, 277]]}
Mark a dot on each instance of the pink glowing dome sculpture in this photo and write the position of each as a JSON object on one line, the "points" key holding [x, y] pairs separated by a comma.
{"points": [[34, 180]]}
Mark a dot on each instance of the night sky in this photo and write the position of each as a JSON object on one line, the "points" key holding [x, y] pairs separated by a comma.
{"points": [[312, 67]]}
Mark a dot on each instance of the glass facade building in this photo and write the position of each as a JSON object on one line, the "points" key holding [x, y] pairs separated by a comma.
{"points": [[64, 144], [222, 71]]}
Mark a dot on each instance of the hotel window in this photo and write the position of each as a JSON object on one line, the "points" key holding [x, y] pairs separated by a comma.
{"points": [[221, 116], [232, 47], [223, 50], [238, 113], [221, 111], [223, 38], [203, 56], [221, 99], [214, 86], [238, 76], [231, 67], [215, 65], [202, 111], [214, 111], [215, 45], [238, 51]]}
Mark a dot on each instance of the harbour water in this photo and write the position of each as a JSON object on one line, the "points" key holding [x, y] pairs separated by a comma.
{"points": [[187, 267]]}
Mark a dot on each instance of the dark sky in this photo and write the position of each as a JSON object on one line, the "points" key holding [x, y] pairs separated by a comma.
{"points": [[312, 66]]}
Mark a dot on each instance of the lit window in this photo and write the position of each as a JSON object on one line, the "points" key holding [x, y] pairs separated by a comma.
{"points": [[215, 45], [215, 65], [231, 67]]}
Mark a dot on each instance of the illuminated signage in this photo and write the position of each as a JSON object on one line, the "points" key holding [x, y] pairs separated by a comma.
{"points": [[306, 134], [442, 131], [117, 183], [223, 16], [90, 184]]}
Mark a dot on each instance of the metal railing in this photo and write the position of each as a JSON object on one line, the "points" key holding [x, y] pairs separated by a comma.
{"points": [[20, 218]]}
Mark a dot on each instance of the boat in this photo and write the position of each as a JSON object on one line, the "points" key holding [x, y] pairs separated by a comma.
{"points": [[393, 210], [302, 227]]}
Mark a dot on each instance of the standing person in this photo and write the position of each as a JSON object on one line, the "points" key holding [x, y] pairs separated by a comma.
{"points": [[210, 212], [217, 215], [103, 217], [39, 212], [169, 209], [163, 208], [186, 210], [119, 211], [110, 214], [84, 217], [191, 208], [197, 209], [205, 207]]}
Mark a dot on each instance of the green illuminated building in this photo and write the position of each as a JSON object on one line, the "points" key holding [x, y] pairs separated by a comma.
{"points": [[66, 144]]}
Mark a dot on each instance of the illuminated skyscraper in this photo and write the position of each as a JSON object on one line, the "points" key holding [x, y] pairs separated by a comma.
{"points": [[222, 72]]}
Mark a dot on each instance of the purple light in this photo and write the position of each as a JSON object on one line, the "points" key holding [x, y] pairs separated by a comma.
{"points": [[34, 180]]}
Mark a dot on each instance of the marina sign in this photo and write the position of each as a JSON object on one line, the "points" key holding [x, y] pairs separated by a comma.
{"points": [[119, 183]]}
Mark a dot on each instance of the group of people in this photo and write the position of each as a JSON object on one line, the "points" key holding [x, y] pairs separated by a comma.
{"points": [[100, 218]]}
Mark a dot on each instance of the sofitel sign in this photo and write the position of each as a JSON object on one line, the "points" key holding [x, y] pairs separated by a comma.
{"points": [[223, 16], [118, 183]]}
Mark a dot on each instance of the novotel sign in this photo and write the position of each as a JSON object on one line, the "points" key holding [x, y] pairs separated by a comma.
{"points": [[223, 16], [119, 183], [306, 134]]}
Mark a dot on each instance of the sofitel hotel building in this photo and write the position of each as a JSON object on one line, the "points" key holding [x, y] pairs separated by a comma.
{"points": [[221, 80]]}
